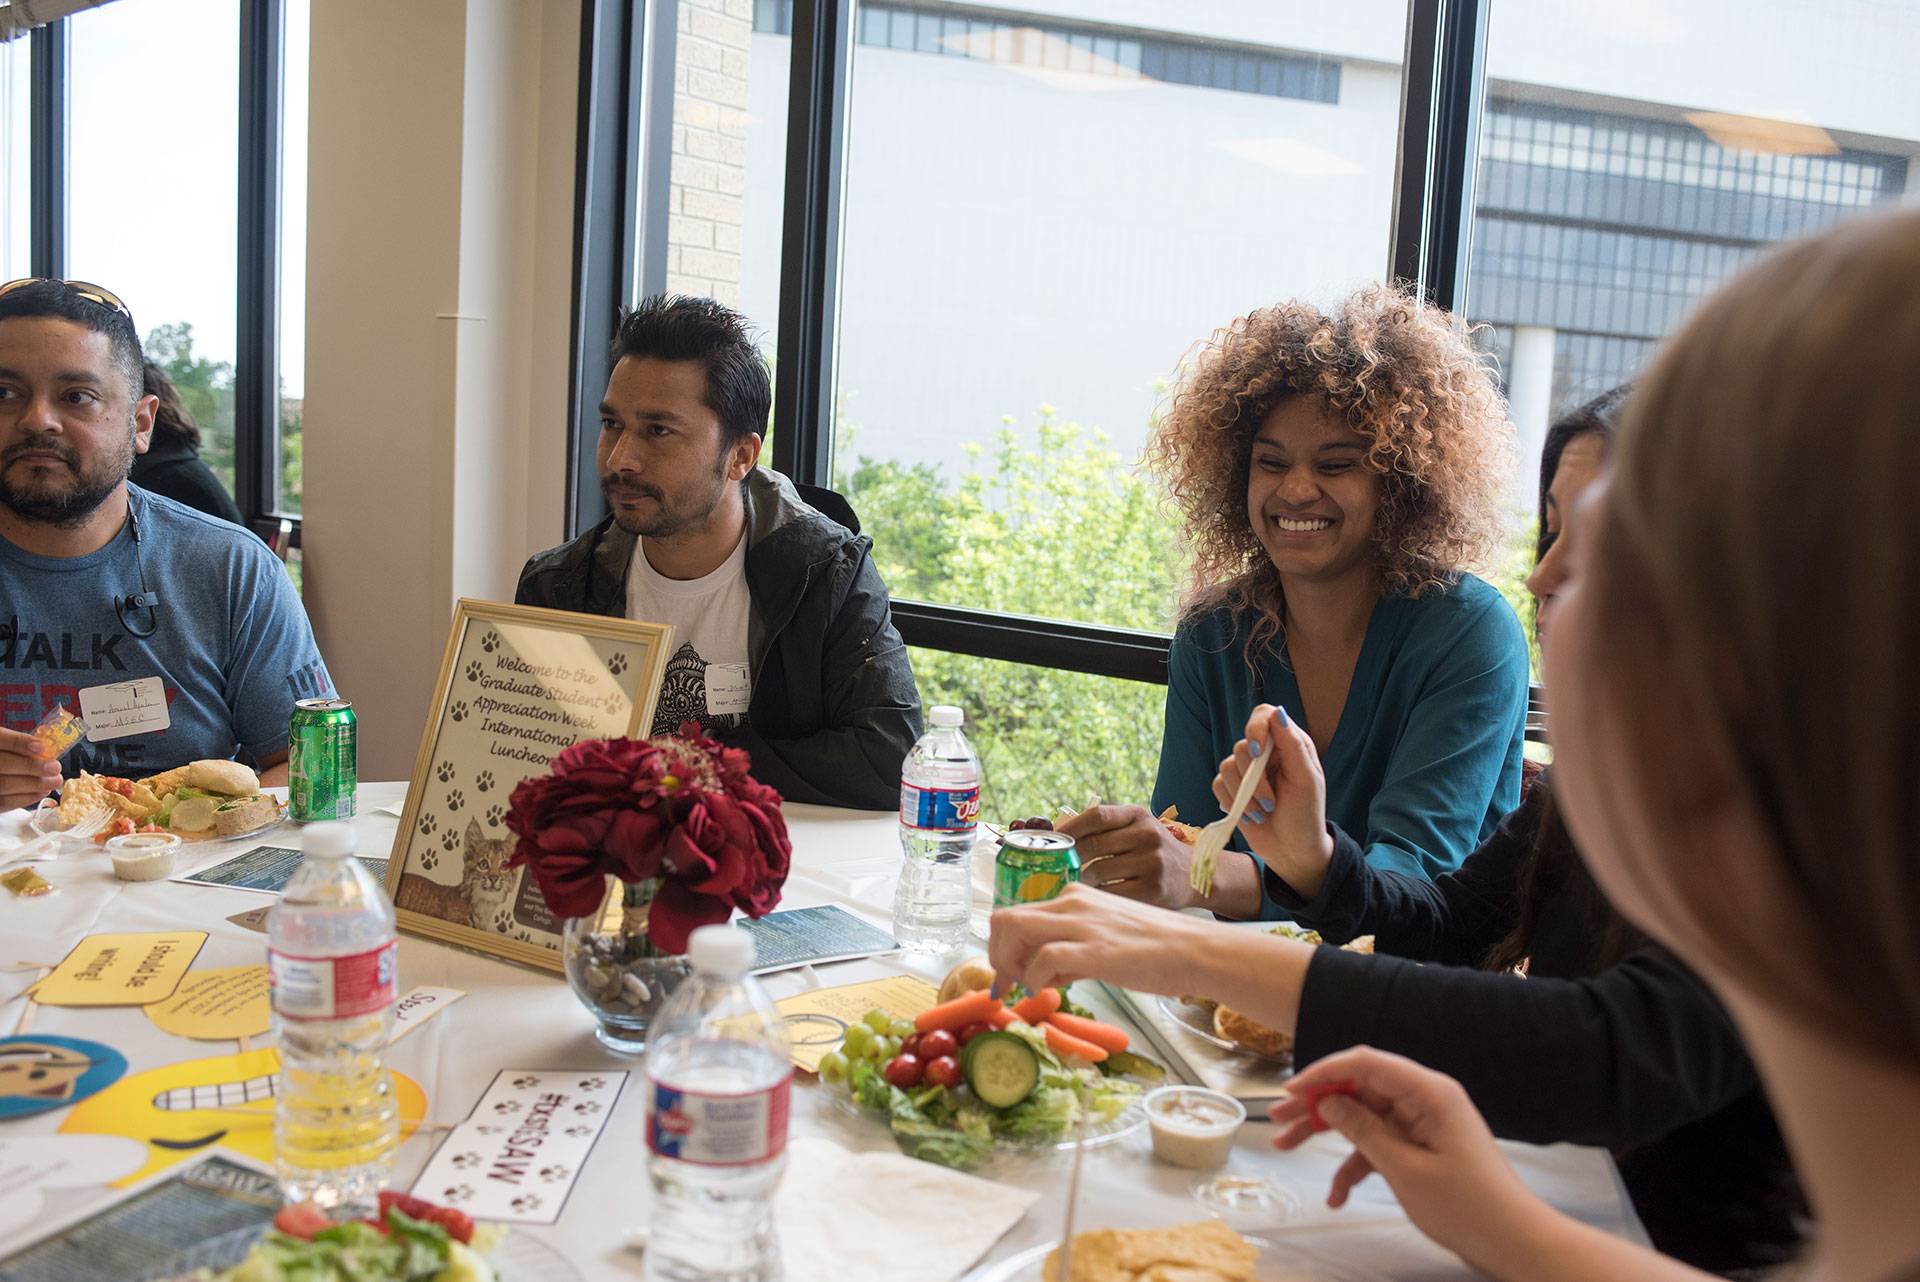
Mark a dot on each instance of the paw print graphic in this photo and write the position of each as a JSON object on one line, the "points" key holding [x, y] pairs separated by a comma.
{"points": [[449, 839], [454, 1194], [455, 800], [592, 1083], [474, 670], [490, 642], [484, 781], [527, 1203], [507, 1107], [503, 920], [466, 1161], [489, 1130], [459, 711], [579, 1132], [587, 1107], [445, 772], [617, 664], [526, 1083], [427, 824], [554, 1174], [495, 814], [429, 859], [523, 936]]}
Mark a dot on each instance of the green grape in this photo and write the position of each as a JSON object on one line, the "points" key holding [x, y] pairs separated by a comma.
{"points": [[858, 1038], [887, 1046], [878, 1020], [833, 1067], [901, 1030]]}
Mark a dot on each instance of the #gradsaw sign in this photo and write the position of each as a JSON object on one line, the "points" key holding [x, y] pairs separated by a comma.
{"points": [[121, 970]]}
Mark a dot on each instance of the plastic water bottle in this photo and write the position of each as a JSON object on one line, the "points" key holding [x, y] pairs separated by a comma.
{"points": [[719, 1082], [939, 810], [332, 957]]}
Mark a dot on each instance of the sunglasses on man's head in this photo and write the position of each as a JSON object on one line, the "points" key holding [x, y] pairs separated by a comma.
{"points": [[86, 289]]}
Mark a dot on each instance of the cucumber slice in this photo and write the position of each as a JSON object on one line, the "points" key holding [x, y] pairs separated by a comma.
{"points": [[1000, 1068]]}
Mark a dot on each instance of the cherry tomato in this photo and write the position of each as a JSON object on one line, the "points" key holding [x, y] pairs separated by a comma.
{"points": [[944, 1071], [912, 1046], [937, 1044], [118, 828], [301, 1220], [974, 1030], [904, 1071]]}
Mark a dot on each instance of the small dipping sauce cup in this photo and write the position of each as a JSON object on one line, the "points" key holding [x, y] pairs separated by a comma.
{"points": [[143, 856], [1193, 1126]]}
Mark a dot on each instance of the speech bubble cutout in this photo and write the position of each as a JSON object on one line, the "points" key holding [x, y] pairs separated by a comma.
{"points": [[217, 1005], [32, 1164], [39, 1071]]}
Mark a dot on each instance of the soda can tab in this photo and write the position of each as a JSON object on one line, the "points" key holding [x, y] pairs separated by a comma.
{"points": [[1033, 865], [60, 730]]}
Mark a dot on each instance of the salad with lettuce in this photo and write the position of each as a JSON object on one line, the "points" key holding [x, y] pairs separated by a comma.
{"points": [[411, 1240], [975, 1074]]}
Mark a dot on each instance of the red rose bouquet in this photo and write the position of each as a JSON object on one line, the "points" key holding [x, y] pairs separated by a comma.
{"points": [[680, 808]]}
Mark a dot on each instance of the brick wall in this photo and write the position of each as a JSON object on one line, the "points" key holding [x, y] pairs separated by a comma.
{"points": [[707, 201]]}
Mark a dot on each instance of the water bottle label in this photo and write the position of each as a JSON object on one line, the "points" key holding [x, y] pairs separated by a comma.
{"points": [[713, 1129], [333, 987], [941, 809]]}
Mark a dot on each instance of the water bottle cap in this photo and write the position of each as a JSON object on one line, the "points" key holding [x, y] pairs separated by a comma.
{"points": [[328, 840], [721, 950], [947, 717]]}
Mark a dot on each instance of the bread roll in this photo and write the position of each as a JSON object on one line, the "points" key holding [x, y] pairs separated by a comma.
{"points": [[229, 777]]}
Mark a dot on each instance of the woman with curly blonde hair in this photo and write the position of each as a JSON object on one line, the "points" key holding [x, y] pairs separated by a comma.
{"points": [[1336, 474]]}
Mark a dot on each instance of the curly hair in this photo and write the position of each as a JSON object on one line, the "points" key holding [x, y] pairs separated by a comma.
{"points": [[1403, 375]]}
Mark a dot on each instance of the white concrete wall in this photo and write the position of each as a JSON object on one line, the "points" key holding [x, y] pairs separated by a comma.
{"points": [[440, 210]]}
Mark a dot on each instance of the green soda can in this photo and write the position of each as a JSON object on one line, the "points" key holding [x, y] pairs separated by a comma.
{"points": [[323, 760], [1033, 864]]}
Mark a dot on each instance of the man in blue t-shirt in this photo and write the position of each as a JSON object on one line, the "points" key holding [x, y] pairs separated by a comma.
{"points": [[177, 636]]}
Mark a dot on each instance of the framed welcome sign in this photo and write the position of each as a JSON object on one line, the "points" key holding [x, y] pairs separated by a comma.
{"points": [[518, 686]]}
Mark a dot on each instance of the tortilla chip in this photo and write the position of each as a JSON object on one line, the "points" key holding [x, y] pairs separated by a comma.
{"points": [[1361, 944], [166, 781], [1241, 1031], [1202, 1251]]}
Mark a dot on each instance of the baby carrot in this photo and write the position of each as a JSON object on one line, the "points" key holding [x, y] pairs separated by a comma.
{"points": [[1001, 1017], [958, 1013], [1105, 1036], [1038, 1007], [1061, 1042]]}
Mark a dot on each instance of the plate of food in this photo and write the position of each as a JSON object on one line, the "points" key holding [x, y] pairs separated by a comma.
{"points": [[977, 1076], [1201, 1251], [1229, 1029], [203, 801], [409, 1240]]}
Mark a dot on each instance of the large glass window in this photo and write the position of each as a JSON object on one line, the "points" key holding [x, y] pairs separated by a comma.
{"points": [[293, 252], [1612, 195], [16, 160], [152, 177]]}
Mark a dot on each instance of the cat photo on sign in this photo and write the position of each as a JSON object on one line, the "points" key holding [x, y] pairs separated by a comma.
{"points": [[481, 896]]}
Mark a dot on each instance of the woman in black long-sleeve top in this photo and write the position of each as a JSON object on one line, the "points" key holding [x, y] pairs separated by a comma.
{"points": [[1609, 1040]]}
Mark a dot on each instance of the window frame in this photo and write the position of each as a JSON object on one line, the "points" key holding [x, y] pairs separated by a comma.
{"points": [[1442, 91], [256, 366]]}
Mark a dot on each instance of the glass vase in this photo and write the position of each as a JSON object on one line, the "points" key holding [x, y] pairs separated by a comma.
{"points": [[614, 968]]}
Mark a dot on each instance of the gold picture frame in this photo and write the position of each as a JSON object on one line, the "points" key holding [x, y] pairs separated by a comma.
{"points": [[518, 685]]}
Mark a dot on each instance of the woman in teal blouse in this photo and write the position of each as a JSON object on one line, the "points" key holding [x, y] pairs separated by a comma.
{"points": [[1335, 474]]}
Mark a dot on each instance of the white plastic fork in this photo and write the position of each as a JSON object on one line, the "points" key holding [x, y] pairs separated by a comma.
{"points": [[90, 823], [1213, 838]]}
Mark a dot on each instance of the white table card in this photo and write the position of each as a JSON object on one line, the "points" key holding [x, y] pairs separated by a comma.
{"points": [[516, 1157]]}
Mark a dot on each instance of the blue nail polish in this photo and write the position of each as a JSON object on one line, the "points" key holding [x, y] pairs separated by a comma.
{"points": [[1265, 804], [1254, 748], [1254, 817], [1285, 720]]}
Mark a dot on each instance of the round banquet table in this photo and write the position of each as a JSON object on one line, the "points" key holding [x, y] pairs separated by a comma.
{"points": [[513, 1017]]}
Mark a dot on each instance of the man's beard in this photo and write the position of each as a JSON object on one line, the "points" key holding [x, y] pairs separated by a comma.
{"points": [[672, 516], [46, 503]]}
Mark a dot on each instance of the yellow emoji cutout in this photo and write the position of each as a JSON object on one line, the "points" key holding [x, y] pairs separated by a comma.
{"points": [[181, 1110]]}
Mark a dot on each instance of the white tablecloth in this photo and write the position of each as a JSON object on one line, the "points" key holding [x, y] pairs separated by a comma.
{"points": [[518, 1018]]}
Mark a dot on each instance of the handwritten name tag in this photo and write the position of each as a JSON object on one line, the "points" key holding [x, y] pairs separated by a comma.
{"points": [[729, 689], [129, 707]]}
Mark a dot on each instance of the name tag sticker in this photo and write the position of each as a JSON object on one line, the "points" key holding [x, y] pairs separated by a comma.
{"points": [[128, 708], [729, 689]]}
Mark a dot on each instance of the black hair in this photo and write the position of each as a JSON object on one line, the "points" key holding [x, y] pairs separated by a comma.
{"points": [[675, 327], [58, 301], [1598, 417], [171, 418]]}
